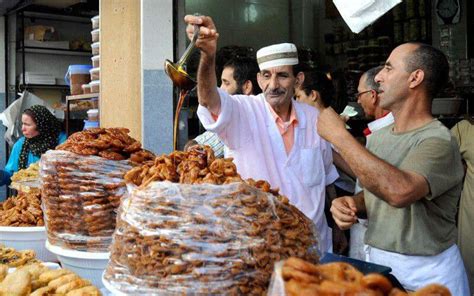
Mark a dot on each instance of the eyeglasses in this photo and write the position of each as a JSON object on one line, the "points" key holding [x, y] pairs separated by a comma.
{"points": [[357, 95]]}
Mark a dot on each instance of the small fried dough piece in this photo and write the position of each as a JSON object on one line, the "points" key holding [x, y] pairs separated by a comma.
{"points": [[53, 274], [75, 284], [56, 283], [44, 291], [17, 283], [3, 271], [433, 290], [377, 282], [85, 291], [35, 270]]}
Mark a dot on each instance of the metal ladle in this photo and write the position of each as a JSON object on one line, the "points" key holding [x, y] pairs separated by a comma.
{"points": [[176, 71]]}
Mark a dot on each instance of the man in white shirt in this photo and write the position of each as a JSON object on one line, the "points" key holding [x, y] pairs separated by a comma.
{"points": [[239, 77], [271, 136]]}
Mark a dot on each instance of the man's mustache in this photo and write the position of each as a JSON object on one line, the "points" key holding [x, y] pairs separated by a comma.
{"points": [[275, 92]]}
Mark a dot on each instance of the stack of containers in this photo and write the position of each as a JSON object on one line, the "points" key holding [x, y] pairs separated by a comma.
{"points": [[94, 85], [95, 71]]}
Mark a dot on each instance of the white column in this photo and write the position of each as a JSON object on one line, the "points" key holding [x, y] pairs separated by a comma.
{"points": [[157, 89]]}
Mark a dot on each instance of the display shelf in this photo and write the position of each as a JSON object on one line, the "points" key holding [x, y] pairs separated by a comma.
{"points": [[70, 99], [45, 86], [56, 51], [56, 17], [82, 97]]}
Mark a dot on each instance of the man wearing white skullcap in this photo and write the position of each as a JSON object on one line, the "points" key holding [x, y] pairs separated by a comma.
{"points": [[271, 136]]}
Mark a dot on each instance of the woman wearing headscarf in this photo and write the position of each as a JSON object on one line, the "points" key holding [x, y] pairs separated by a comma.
{"points": [[41, 132]]}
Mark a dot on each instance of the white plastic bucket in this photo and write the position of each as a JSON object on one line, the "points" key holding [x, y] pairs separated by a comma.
{"points": [[87, 265], [27, 238], [111, 289]]}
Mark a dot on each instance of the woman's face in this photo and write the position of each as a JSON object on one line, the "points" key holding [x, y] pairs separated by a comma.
{"points": [[301, 96], [28, 127]]}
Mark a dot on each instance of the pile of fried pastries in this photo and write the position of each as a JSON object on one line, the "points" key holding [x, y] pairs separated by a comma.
{"points": [[38, 280], [13, 258], [109, 143], [30, 173], [339, 278], [196, 166], [80, 196], [23, 210], [203, 239]]}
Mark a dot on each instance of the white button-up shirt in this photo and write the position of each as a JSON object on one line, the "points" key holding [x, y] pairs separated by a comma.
{"points": [[246, 126]]}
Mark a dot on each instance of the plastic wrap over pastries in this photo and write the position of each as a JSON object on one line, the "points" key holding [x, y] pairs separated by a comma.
{"points": [[81, 195], [295, 277], [204, 239]]}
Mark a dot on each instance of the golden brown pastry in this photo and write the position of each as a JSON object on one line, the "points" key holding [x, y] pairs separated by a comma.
{"points": [[17, 283], [85, 291]]}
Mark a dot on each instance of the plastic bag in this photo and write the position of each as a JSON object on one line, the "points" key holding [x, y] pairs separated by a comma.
{"points": [[80, 197], [204, 239], [359, 14]]}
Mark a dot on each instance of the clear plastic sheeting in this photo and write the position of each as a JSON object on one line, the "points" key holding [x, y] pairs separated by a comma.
{"points": [[80, 197], [204, 239]]}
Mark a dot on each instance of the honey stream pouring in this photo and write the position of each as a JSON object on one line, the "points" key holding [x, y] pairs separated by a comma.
{"points": [[182, 80]]}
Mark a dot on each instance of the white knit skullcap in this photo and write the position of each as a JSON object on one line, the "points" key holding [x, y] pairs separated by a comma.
{"points": [[283, 54]]}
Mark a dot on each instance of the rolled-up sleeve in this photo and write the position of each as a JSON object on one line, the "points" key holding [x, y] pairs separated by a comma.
{"points": [[231, 122]]}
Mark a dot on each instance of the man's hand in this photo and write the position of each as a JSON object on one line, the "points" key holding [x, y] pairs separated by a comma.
{"points": [[207, 39], [330, 125], [344, 211]]}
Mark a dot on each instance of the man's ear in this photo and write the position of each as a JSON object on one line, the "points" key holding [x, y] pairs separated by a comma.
{"points": [[247, 87], [299, 79], [416, 78], [374, 97]]}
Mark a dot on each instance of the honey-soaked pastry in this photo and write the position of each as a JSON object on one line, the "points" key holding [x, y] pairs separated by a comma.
{"points": [[338, 278], [53, 274], [23, 210], [43, 291], [14, 258], [109, 143], [62, 280], [3, 271], [72, 285], [30, 173], [88, 290], [17, 283]]}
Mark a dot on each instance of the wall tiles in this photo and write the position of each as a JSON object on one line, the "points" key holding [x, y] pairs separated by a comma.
{"points": [[157, 123]]}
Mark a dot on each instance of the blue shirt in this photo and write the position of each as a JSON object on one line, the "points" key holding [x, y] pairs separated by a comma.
{"points": [[14, 160]]}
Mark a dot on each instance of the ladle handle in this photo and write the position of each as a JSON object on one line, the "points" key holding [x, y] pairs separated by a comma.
{"points": [[190, 47]]}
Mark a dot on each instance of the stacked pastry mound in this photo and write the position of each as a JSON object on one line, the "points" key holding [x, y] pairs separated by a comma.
{"points": [[202, 238], [81, 191]]}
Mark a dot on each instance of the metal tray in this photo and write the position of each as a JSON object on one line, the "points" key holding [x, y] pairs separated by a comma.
{"points": [[363, 266]]}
